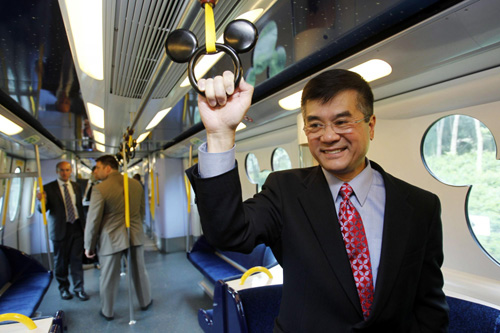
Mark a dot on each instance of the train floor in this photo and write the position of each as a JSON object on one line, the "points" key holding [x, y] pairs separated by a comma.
{"points": [[176, 299]]}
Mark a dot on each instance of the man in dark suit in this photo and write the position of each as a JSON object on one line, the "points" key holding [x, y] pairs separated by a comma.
{"points": [[361, 250], [106, 232], [63, 202]]}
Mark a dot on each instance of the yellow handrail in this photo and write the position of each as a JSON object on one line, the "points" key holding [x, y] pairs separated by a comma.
{"points": [[127, 207], [157, 191], [6, 203], [255, 270], [30, 324], [152, 183], [188, 193]]}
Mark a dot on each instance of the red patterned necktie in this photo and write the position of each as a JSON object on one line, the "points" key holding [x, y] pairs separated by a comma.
{"points": [[356, 246]]}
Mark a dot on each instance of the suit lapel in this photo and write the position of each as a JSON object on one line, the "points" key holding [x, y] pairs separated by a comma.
{"points": [[395, 237], [319, 207]]}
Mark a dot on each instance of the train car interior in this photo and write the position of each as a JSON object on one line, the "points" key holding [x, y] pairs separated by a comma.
{"points": [[81, 79]]}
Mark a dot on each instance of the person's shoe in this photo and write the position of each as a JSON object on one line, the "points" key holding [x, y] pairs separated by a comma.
{"points": [[144, 308], [65, 294], [106, 317], [82, 295]]}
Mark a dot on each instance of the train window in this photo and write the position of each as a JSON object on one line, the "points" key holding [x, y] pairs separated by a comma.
{"points": [[460, 150], [254, 174], [15, 195], [280, 160]]}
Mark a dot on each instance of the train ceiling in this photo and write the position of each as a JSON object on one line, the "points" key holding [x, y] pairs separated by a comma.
{"points": [[426, 43]]}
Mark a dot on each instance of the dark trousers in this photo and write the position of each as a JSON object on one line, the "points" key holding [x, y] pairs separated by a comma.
{"points": [[68, 254]]}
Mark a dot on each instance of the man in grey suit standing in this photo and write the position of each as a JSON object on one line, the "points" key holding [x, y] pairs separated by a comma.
{"points": [[106, 231], [63, 201]]}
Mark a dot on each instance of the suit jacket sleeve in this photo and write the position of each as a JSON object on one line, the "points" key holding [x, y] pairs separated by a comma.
{"points": [[94, 219], [230, 224]]}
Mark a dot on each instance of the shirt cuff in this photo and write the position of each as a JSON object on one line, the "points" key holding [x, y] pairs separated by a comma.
{"points": [[214, 164]]}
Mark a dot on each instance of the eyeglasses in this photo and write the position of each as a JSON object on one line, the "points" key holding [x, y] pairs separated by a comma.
{"points": [[340, 126]]}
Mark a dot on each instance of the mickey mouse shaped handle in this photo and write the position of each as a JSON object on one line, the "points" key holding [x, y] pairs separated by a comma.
{"points": [[240, 36]]}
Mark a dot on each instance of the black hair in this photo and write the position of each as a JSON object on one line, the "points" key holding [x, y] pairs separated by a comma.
{"points": [[327, 85], [108, 160]]}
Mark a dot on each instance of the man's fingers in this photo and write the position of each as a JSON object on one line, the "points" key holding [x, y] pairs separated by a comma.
{"points": [[228, 78], [210, 92], [220, 91], [201, 84]]}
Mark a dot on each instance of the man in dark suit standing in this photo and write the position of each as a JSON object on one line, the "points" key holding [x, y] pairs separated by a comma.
{"points": [[106, 233], [63, 202], [361, 250]]}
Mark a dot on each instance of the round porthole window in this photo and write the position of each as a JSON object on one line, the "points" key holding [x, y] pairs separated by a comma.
{"points": [[460, 150]]}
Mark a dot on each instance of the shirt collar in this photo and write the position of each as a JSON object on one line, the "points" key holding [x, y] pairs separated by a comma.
{"points": [[61, 183], [360, 184]]}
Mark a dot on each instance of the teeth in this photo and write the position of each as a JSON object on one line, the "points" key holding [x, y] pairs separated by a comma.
{"points": [[333, 151]]}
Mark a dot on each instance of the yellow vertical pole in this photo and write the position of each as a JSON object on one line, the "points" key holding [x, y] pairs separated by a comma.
{"points": [[157, 191], [127, 224], [152, 182]]}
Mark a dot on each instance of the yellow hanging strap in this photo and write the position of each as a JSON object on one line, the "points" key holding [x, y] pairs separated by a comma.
{"points": [[210, 28], [30, 324], [152, 202]]}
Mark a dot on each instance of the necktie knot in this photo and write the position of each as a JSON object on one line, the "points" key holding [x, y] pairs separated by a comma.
{"points": [[345, 191]]}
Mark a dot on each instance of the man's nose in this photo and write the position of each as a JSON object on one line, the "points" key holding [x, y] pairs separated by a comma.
{"points": [[329, 134]]}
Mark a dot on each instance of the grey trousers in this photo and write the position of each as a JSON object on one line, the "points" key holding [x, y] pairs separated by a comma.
{"points": [[110, 278]]}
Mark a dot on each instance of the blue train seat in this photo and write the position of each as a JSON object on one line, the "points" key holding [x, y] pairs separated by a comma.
{"points": [[226, 265], [23, 282], [247, 310], [466, 316]]}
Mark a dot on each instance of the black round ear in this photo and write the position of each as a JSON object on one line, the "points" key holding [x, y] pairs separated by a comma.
{"points": [[241, 35], [180, 45]]}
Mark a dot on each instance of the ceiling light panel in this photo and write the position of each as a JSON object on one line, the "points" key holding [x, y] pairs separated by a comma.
{"points": [[141, 31]]}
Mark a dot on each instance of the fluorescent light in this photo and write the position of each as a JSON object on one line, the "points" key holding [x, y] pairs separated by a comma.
{"points": [[9, 127], [208, 61], [156, 120], [142, 137], [252, 15], [99, 137], [240, 127], [291, 102], [370, 71], [96, 115], [373, 69], [85, 20], [100, 147]]}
